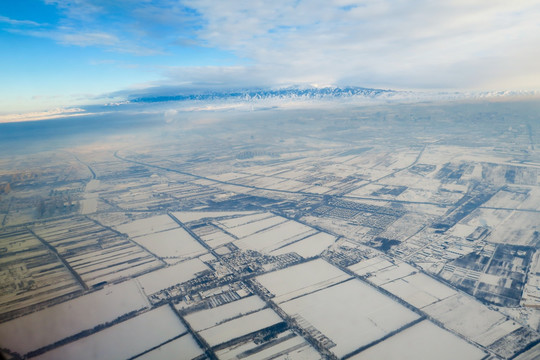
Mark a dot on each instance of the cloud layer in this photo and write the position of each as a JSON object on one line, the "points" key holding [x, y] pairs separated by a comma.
{"points": [[458, 44], [398, 44]]}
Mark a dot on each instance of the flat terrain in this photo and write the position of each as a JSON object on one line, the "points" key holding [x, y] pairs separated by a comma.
{"points": [[378, 232]]}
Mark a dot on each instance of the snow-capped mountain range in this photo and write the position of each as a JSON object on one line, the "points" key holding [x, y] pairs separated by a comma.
{"points": [[260, 94], [328, 93]]}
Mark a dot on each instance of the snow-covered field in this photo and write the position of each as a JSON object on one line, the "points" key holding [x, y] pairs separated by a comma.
{"points": [[518, 229], [404, 281], [45, 327], [172, 275], [286, 345], [301, 279], [351, 314], [208, 318], [308, 247], [275, 237], [471, 319], [147, 226], [124, 340], [371, 266], [175, 242], [243, 220], [217, 238], [256, 226], [422, 341], [185, 347], [240, 326], [189, 216], [419, 289]]}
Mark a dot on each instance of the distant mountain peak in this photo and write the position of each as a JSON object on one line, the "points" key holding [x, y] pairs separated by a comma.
{"points": [[291, 92]]}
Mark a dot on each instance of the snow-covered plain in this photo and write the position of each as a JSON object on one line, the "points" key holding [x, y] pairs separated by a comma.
{"points": [[301, 279], [175, 242], [185, 347], [208, 318], [286, 345], [45, 327], [147, 226], [124, 340], [351, 314], [240, 326], [308, 247], [471, 319], [172, 275], [422, 341]]}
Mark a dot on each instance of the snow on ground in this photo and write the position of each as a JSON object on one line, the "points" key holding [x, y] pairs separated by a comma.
{"points": [[508, 199], [308, 247], [275, 237], [256, 226], [520, 228], [419, 289], [89, 204], [471, 319], [189, 216], [404, 281], [285, 345], [231, 223], [240, 326], [147, 226], [172, 275], [486, 217], [185, 347], [351, 314], [205, 319], [301, 279], [45, 327], [124, 340], [171, 243], [370, 266], [217, 238], [422, 341]]}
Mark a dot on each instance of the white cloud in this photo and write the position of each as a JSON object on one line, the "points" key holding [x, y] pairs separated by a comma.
{"points": [[399, 43], [43, 115], [6, 20]]}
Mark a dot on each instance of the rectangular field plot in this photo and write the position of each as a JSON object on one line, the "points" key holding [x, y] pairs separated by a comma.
{"points": [[205, 319], [520, 228], [371, 266], [255, 226], [147, 226], [404, 281], [173, 243], [184, 347], [285, 345], [30, 273], [310, 246], [419, 290], [45, 327], [351, 315], [422, 341], [125, 340], [96, 253], [213, 236], [172, 275], [281, 234], [190, 216], [471, 319], [301, 279], [232, 329], [243, 220]]}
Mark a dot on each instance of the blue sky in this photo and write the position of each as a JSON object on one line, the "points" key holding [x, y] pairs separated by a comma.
{"points": [[60, 53]]}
